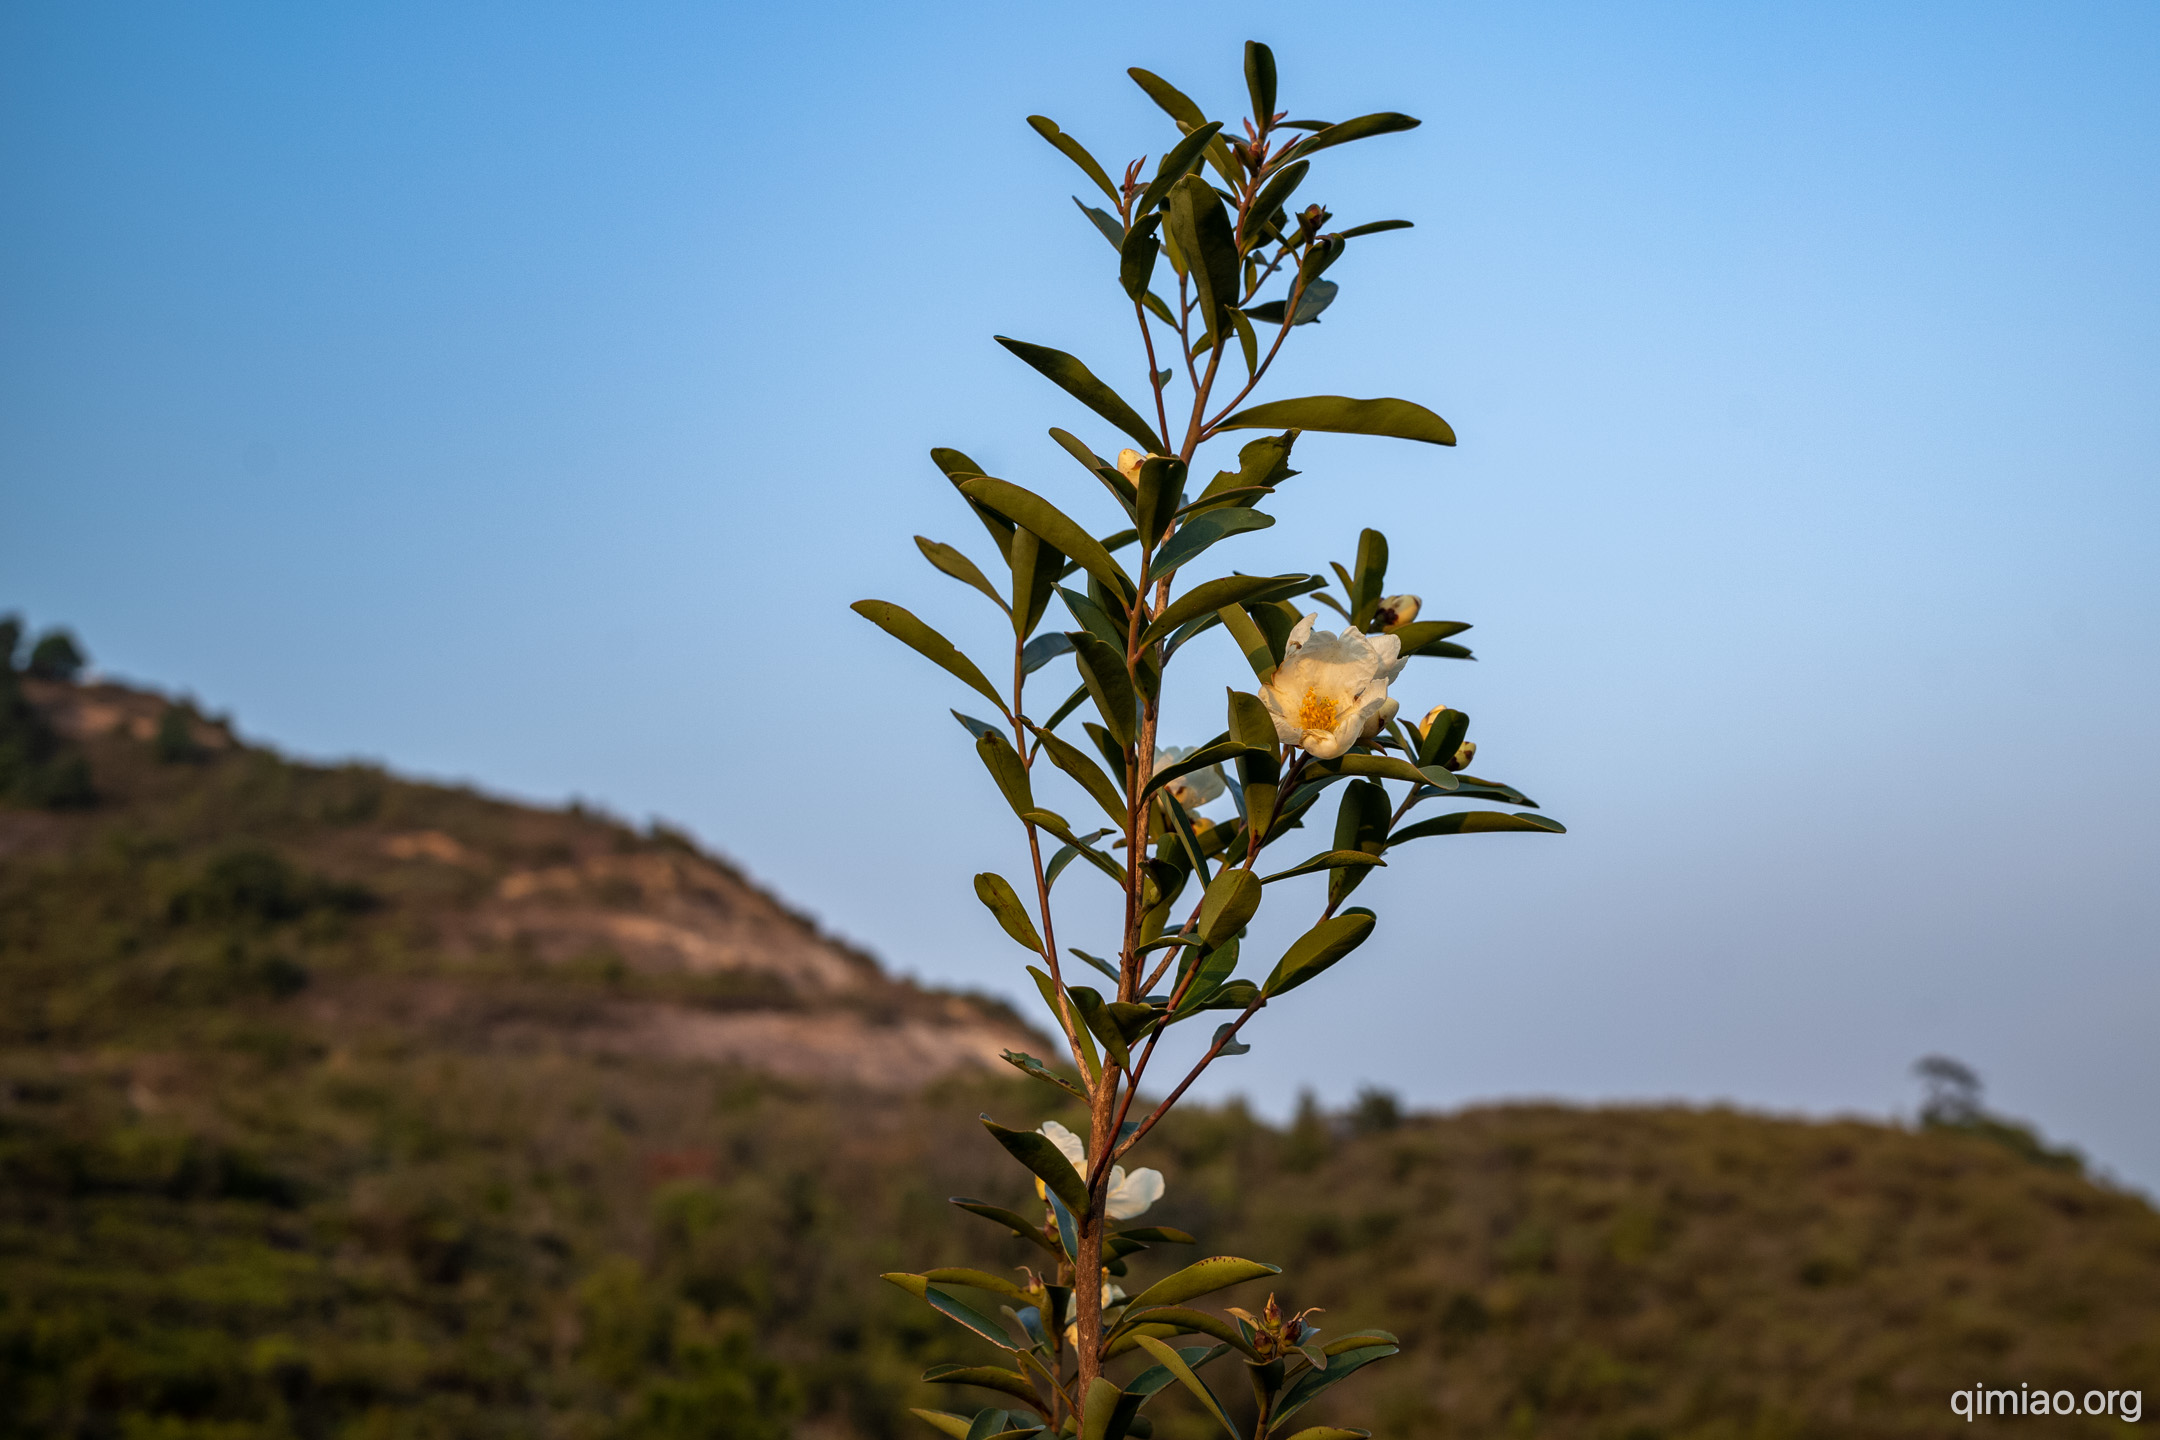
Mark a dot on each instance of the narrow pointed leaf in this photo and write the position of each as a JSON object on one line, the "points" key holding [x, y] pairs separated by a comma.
{"points": [[968, 1317], [902, 625], [1229, 904], [1170, 1360], [1386, 122], [1018, 1224], [1035, 1150], [1182, 158], [1260, 81], [1211, 594], [1027, 509], [1316, 950], [1075, 762], [1109, 683], [1203, 530], [1476, 822], [1076, 380], [957, 565], [1041, 650], [1330, 860], [1105, 224], [944, 1421], [1205, 1277], [1373, 227], [1342, 415], [989, 1377], [1029, 1065], [1074, 151], [996, 893]]}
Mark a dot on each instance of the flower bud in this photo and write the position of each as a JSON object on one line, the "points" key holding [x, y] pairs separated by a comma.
{"points": [[1396, 610], [1464, 754], [1129, 461]]}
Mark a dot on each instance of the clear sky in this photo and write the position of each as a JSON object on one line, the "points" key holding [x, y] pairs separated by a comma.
{"points": [[519, 393]]}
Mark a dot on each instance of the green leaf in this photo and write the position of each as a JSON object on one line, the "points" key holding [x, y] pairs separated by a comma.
{"points": [[1229, 904], [1136, 259], [1260, 81], [1157, 497], [1041, 650], [1003, 763], [1210, 754], [975, 727], [1076, 848], [1250, 641], [1382, 767], [1211, 594], [1476, 822], [1172, 100], [1341, 1366], [1313, 297], [961, 1313], [1074, 151], [1075, 762], [1031, 512], [1205, 1277], [1420, 633], [1203, 233], [1373, 227], [1181, 159], [1317, 949], [1052, 998], [1101, 1403], [1264, 463], [1029, 1065], [1330, 1432], [943, 1421], [1076, 380], [1158, 1235], [1182, 1321], [997, 893], [1170, 1360], [1034, 1149], [976, 1280], [902, 625], [1105, 223], [1203, 530], [957, 565], [1250, 723], [1327, 860], [1019, 1225], [1274, 194], [989, 1377], [1103, 670], [1343, 416], [1099, 1022], [1360, 824], [1371, 577], [1387, 122], [1036, 566]]}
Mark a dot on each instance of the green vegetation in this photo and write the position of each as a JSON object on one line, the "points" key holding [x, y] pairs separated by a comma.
{"points": [[285, 1152], [36, 767]]}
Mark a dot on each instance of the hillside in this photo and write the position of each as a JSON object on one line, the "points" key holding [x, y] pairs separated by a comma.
{"points": [[333, 1104]]}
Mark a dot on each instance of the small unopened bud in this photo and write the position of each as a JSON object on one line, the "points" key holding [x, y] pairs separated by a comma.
{"points": [[1129, 461], [1464, 754], [1396, 610]]}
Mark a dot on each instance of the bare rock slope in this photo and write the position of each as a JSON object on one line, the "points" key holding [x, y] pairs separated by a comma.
{"points": [[508, 924]]}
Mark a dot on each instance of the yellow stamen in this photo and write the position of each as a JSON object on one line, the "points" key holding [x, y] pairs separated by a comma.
{"points": [[1316, 712]]}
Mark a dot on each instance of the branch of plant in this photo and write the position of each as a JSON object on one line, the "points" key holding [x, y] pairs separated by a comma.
{"points": [[1042, 881]]}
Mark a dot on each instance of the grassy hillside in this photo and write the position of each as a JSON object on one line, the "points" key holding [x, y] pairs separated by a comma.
{"points": [[336, 1105]]}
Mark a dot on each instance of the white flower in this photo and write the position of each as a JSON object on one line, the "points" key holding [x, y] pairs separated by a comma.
{"points": [[1395, 610], [1128, 464], [1130, 1195], [1331, 690], [1194, 789]]}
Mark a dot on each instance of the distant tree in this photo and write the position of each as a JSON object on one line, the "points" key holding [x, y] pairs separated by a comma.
{"points": [[11, 628], [1953, 1091], [56, 656], [37, 766], [1375, 1111]]}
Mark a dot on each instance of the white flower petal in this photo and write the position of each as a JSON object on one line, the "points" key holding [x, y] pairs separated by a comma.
{"points": [[1075, 1149], [1132, 1194]]}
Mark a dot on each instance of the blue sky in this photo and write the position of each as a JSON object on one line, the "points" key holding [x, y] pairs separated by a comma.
{"points": [[520, 393]]}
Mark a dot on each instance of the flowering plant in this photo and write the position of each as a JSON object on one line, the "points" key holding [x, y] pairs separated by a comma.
{"points": [[1320, 716]]}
